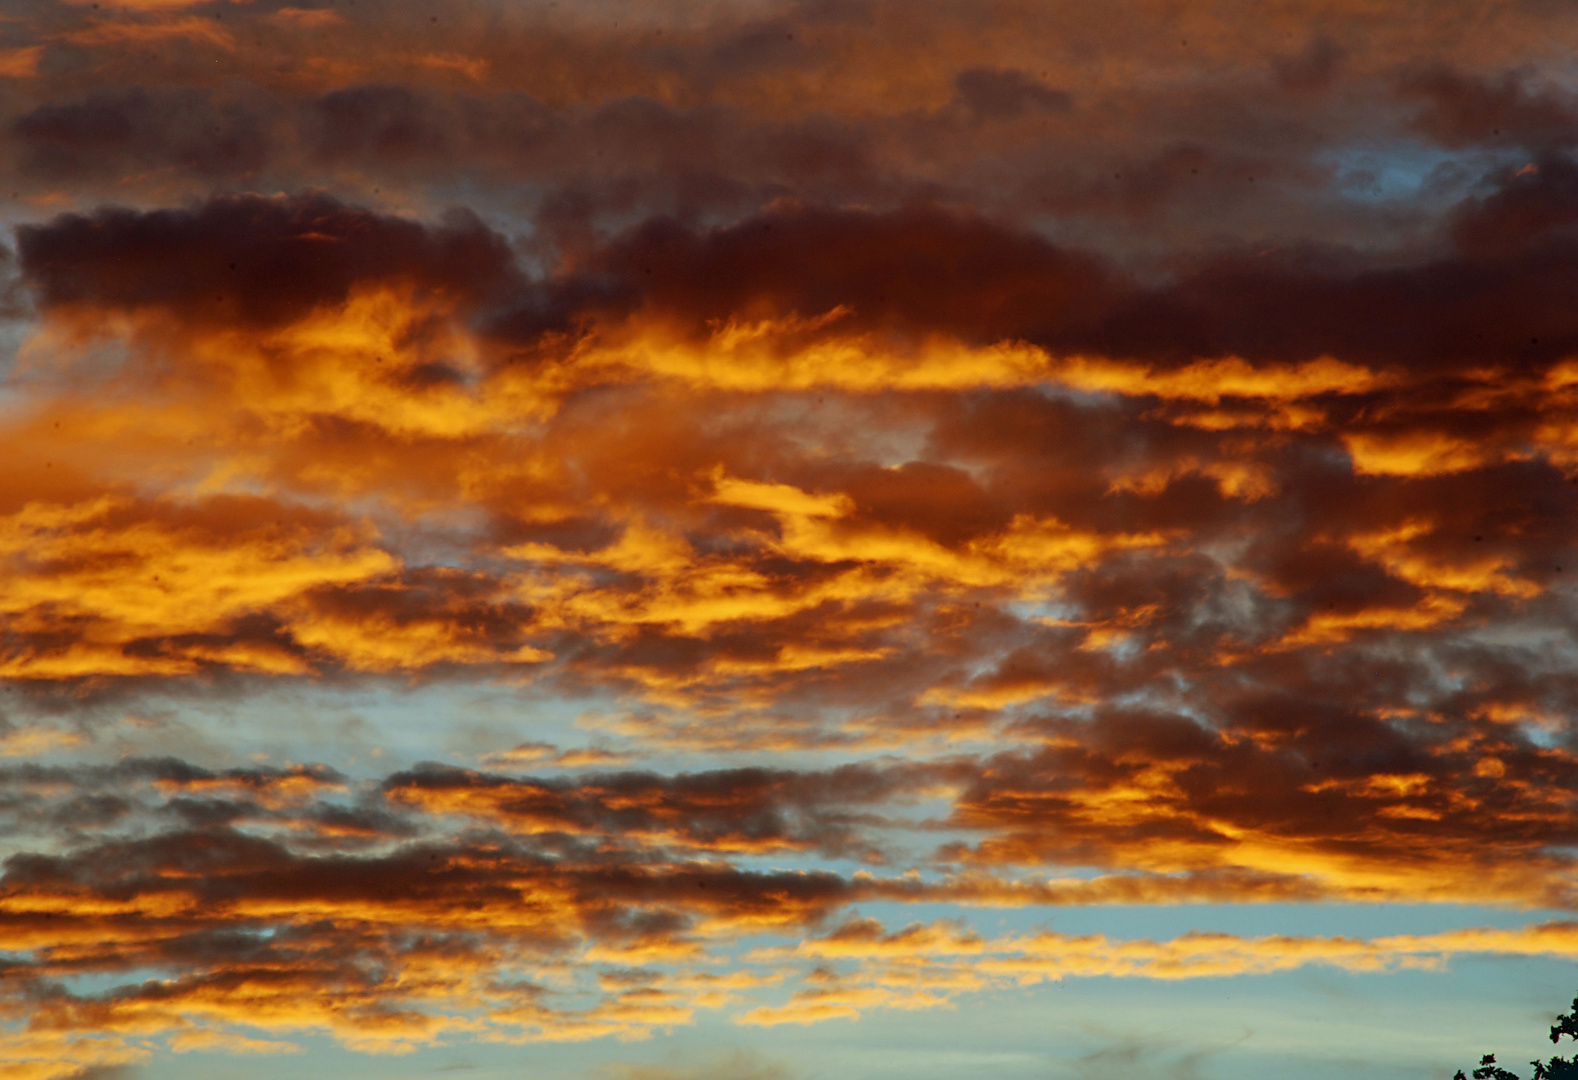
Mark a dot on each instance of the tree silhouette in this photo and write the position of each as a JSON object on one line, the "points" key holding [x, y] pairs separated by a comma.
{"points": [[1488, 1070], [1558, 1068]]}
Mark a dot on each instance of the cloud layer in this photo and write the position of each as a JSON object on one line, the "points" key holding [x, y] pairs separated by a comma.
{"points": [[946, 457], [441, 906]]}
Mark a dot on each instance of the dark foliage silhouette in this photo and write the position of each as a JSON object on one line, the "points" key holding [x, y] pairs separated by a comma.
{"points": [[1558, 1068]]}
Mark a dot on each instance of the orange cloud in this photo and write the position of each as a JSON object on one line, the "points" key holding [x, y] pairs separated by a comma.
{"points": [[20, 63], [1418, 453], [102, 32], [935, 450], [1211, 381], [405, 942], [124, 575], [927, 966]]}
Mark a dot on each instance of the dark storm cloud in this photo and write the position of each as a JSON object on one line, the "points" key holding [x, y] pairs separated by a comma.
{"points": [[112, 133], [1463, 108], [1536, 204], [741, 810], [626, 122], [909, 270], [1312, 70], [1003, 94], [260, 260]]}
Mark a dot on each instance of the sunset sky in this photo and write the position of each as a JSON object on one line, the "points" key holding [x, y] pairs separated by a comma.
{"points": [[756, 540]]}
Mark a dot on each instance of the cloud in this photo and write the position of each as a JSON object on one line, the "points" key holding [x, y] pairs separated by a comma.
{"points": [[977, 461], [1532, 205], [149, 31], [20, 63], [739, 1065], [1466, 107], [261, 934], [134, 129], [928, 966], [998, 95], [733, 811], [278, 258], [638, 499], [229, 1043]]}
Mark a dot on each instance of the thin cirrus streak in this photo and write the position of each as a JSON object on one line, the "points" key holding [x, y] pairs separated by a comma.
{"points": [[536, 526]]}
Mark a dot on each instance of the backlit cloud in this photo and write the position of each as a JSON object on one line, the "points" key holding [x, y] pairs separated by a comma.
{"points": [[528, 524]]}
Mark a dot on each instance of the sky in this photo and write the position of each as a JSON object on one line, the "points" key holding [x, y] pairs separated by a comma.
{"points": [[787, 539]]}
